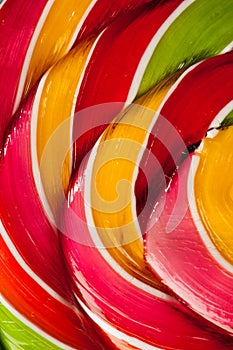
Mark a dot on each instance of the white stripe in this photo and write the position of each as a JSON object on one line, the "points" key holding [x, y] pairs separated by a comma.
{"points": [[136, 170], [210, 247], [151, 48], [228, 48], [193, 207], [175, 85], [204, 235], [80, 23], [166, 98], [93, 232], [34, 121], [34, 155], [2, 3], [88, 213], [29, 53], [33, 42], [219, 119], [139, 344], [98, 243], [78, 89], [29, 324], [27, 269], [144, 144]]}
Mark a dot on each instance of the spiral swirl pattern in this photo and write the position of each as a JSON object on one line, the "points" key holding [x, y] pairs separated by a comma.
{"points": [[116, 195]]}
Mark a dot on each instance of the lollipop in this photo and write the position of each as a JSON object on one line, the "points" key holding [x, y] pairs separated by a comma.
{"points": [[29, 238], [104, 101]]}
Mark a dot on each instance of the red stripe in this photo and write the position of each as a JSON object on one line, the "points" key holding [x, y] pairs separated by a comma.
{"points": [[189, 111], [18, 22], [113, 298], [21, 210], [111, 70], [40, 308], [103, 13]]}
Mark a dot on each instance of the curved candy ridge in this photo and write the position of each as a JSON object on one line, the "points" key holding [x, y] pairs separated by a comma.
{"points": [[15, 334], [30, 236], [118, 298], [125, 35], [185, 43], [205, 280], [50, 114], [129, 163]]}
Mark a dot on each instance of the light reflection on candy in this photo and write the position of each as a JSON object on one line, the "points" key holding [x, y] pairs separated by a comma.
{"points": [[32, 46], [31, 242], [117, 37], [129, 48], [190, 111], [115, 296], [64, 81], [110, 75], [125, 51], [15, 332], [214, 190], [50, 112], [104, 12], [26, 293], [188, 40], [123, 254], [200, 271], [33, 38]]}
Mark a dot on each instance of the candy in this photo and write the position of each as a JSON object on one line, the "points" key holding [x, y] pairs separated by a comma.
{"points": [[110, 239], [200, 272], [103, 102], [30, 45]]}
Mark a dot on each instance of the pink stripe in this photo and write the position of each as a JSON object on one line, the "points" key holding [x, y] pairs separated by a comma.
{"points": [[183, 121], [128, 308], [182, 261]]}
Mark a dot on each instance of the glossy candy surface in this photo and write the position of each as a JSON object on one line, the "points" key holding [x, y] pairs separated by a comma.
{"points": [[201, 240], [116, 195]]}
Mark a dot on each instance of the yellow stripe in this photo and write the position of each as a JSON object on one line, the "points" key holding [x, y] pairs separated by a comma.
{"points": [[112, 182], [56, 105], [214, 190], [55, 36]]}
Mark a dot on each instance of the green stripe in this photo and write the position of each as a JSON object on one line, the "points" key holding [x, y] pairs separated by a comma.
{"points": [[203, 30], [15, 335], [228, 121], [2, 346]]}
